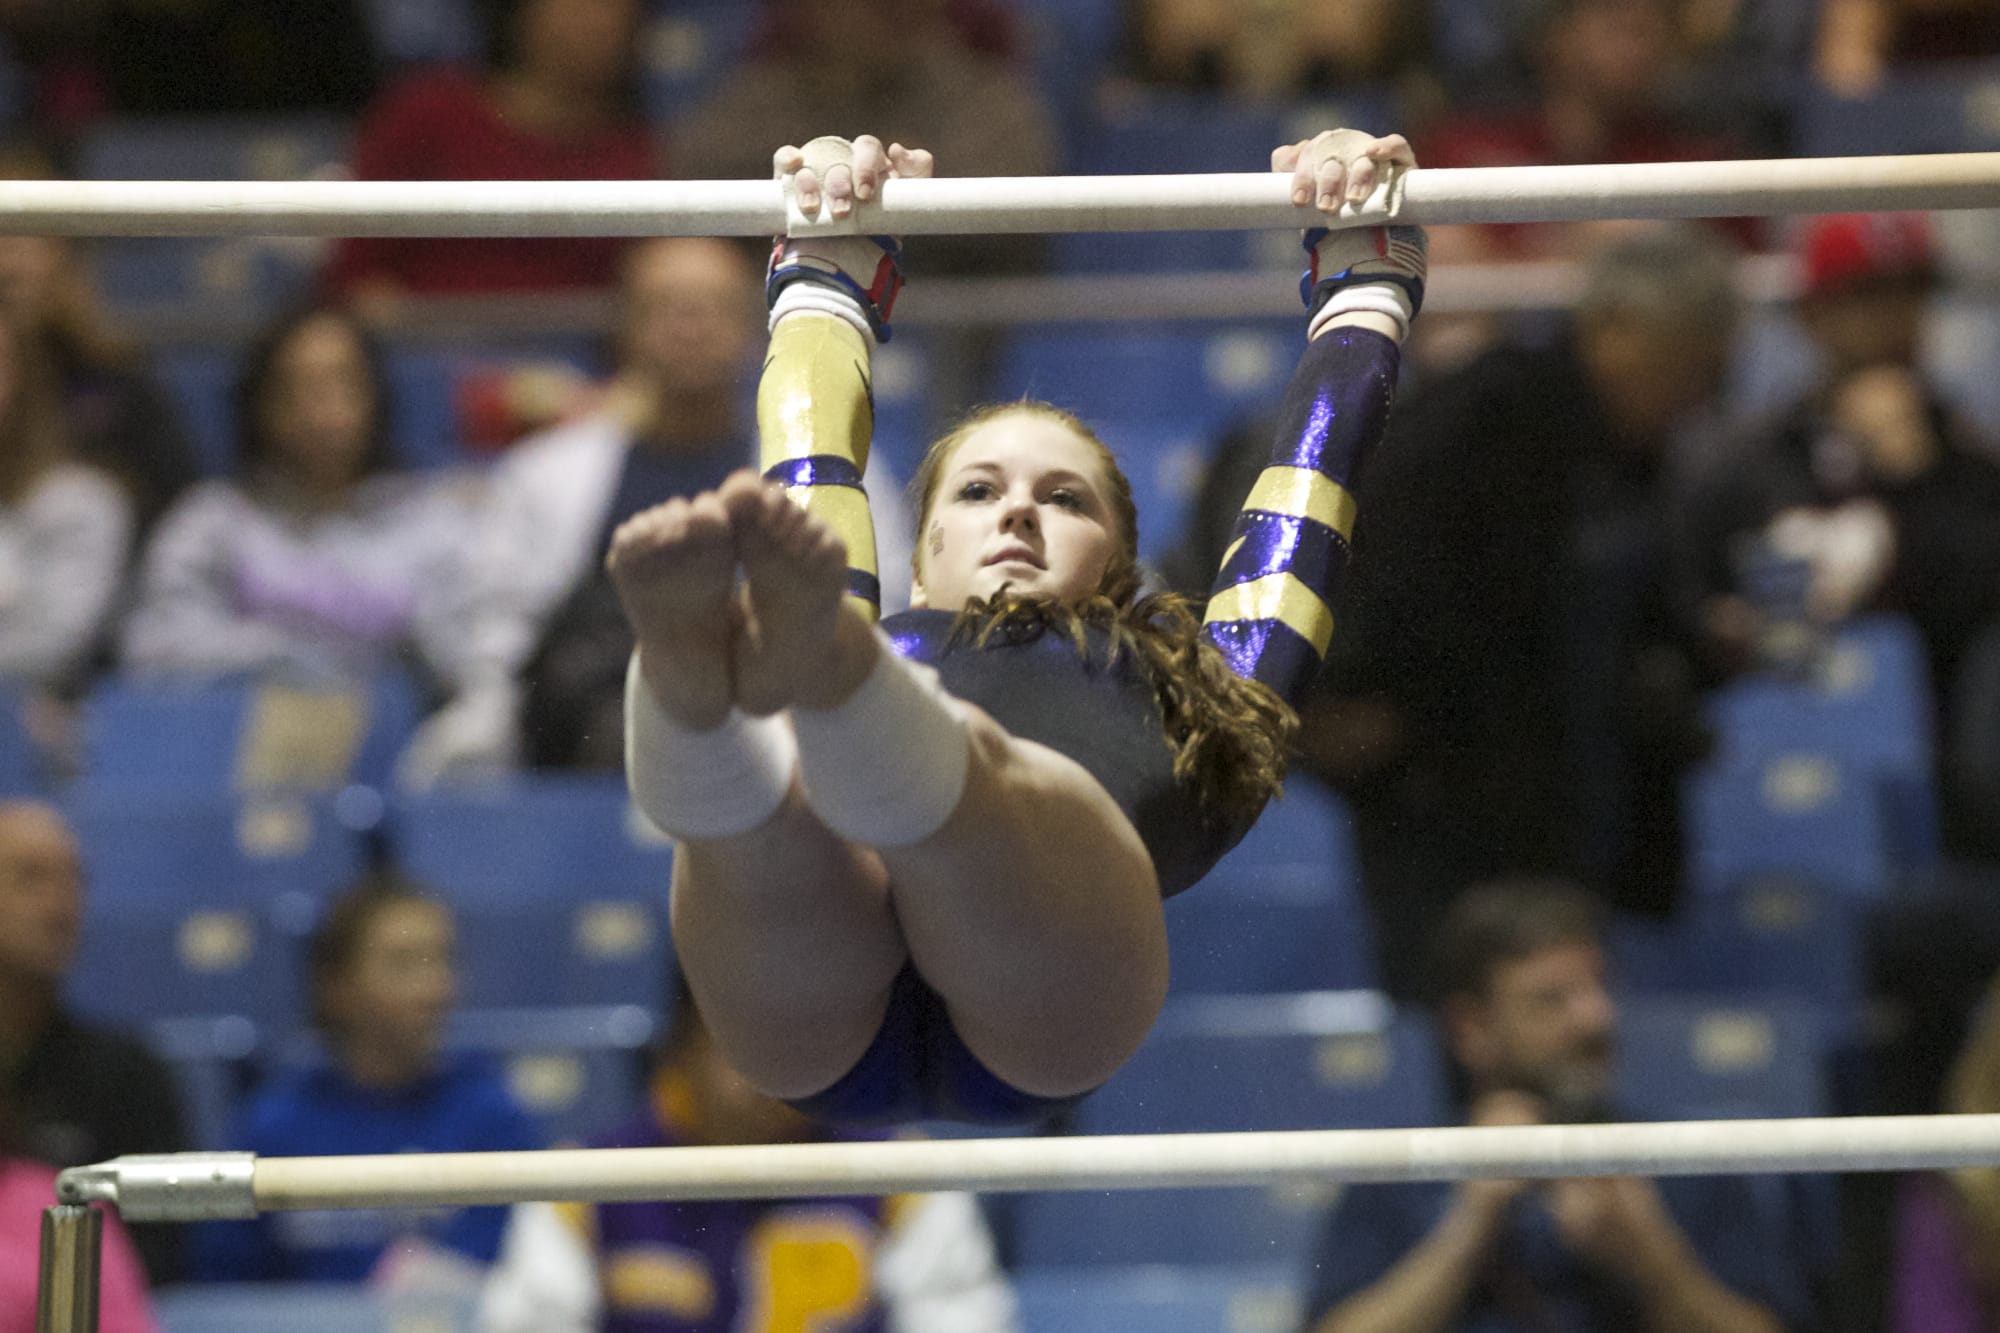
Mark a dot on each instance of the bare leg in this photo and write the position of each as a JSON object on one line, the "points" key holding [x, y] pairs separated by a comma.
{"points": [[785, 932], [787, 938], [1034, 910]]}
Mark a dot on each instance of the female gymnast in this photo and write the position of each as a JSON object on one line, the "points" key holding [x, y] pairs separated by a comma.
{"points": [[921, 866]]}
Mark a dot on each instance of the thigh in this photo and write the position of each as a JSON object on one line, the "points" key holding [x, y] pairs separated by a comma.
{"points": [[778, 858], [789, 942], [1035, 817], [1035, 914]]}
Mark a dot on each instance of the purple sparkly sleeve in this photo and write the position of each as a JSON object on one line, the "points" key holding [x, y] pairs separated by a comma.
{"points": [[1270, 612]]}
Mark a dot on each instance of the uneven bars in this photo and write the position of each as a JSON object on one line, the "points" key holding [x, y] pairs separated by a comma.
{"points": [[190, 1186], [1198, 202]]}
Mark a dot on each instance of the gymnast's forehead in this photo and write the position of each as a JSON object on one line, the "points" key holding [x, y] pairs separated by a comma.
{"points": [[1031, 443]]}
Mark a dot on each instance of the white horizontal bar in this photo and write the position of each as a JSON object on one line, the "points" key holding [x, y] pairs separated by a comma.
{"points": [[1907, 1143], [1201, 202]]}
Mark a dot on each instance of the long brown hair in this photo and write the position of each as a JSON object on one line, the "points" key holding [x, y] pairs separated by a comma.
{"points": [[32, 439], [1230, 735]]}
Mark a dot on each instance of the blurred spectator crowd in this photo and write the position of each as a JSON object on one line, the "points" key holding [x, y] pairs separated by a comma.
{"points": [[1674, 626]]}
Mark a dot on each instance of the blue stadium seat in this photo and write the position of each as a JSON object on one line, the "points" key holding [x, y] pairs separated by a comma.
{"points": [[221, 148], [1175, 133], [1276, 929], [321, 1307], [568, 834], [202, 381], [20, 757], [196, 904], [691, 47], [603, 949], [1309, 827], [1937, 109], [209, 1059], [214, 736], [249, 272], [905, 416], [253, 275], [580, 1069], [425, 385], [1762, 937], [1158, 399], [1330, 1060], [1315, 1060], [1152, 133], [555, 869], [198, 962], [1282, 911], [1158, 1300], [1685, 1058], [155, 851], [1870, 703], [1806, 815], [425, 32], [1870, 706]]}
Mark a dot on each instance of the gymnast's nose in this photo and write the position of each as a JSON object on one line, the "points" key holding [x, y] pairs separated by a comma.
{"points": [[1018, 513]]}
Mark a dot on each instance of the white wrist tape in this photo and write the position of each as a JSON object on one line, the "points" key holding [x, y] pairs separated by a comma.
{"points": [[704, 784], [1379, 298], [821, 300], [886, 768]]}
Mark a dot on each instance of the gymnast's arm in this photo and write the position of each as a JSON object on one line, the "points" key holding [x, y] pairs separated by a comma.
{"points": [[1270, 611], [829, 298]]}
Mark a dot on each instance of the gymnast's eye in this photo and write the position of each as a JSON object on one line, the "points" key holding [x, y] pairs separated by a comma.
{"points": [[977, 490], [1066, 499]]}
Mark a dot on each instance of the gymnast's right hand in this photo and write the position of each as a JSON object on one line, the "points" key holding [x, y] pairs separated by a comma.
{"points": [[845, 173], [1339, 167]]}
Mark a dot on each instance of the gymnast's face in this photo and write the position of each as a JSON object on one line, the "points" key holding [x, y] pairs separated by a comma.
{"points": [[1023, 503]]}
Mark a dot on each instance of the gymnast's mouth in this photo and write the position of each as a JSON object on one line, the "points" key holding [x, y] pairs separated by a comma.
{"points": [[1016, 553]]}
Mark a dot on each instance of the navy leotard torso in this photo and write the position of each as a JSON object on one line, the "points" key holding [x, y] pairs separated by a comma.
{"points": [[1103, 716]]}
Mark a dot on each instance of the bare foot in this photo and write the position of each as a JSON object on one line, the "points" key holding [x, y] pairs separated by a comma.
{"points": [[674, 567], [800, 644]]}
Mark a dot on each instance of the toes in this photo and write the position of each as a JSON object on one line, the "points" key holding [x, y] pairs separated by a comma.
{"points": [[747, 498], [707, 518], [648, 531]]}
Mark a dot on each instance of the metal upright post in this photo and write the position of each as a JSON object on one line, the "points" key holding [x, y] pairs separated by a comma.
{"points": [[72, 1240]]}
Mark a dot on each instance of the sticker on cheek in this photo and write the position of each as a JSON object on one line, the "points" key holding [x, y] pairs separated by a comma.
{"points": [[937, 539]]}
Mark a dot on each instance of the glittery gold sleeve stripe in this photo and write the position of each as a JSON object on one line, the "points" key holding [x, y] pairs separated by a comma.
{"points": [[815, 416], [1299, 492], [1284, 598], [1270, 613]]}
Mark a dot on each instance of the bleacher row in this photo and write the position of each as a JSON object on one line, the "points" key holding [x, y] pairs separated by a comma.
{"points": [[1942, 108], [1817, 804], [1159, 396]]}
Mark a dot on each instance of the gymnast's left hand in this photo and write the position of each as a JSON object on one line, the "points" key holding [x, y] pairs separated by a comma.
{"points": [[846, 173], [1338, 167]]}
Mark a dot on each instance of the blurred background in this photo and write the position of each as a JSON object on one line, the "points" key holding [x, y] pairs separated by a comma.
{"points": [[1677, 587]]}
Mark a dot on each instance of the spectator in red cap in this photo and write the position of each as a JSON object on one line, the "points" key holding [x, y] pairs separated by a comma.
{"points": [[1882, 496]]}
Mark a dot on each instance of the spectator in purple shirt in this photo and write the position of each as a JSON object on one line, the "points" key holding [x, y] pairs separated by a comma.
{"points": [[320, 560]]}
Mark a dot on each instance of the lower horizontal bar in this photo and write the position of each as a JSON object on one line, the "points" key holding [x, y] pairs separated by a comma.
{"points": [[211, 1185]]}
